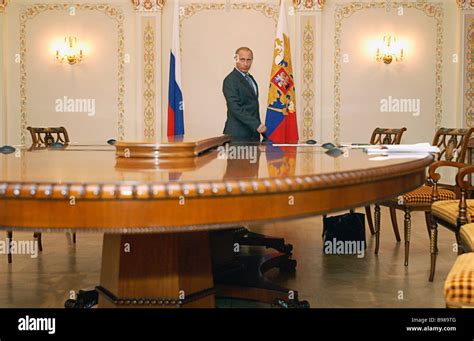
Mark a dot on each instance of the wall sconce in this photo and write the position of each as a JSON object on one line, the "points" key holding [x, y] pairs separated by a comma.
{"points": [[69, 51], [389, 50]]}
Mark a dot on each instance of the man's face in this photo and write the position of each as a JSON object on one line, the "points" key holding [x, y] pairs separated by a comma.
{"points": [[244, 61]]}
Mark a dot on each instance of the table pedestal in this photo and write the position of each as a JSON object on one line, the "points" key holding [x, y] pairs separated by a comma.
{"points": [[156, 270]]}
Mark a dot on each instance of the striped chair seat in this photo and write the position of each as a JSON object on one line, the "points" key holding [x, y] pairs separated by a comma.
{"points": [[448, 210], [467, 237], [422, 195], [459, 285]]}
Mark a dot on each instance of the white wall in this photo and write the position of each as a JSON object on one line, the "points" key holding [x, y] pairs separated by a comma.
{"points": [[208, 59], [364, 82], [96, 78]]}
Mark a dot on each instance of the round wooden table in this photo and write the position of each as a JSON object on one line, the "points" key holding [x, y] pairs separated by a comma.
{"points": [[156, 217]]}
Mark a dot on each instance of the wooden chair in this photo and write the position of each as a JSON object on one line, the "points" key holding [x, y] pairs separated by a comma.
{"points": [[385, 136], [453, 146], [458, 288], [48, 136], [44, 137], [455, 215]]}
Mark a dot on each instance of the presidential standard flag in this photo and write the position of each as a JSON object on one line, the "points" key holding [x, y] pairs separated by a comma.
{"points": [[175, 95], [281, 108]]}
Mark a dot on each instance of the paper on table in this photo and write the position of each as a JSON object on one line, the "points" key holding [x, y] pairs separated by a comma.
{"points": [[403, 148], [399, 156]]}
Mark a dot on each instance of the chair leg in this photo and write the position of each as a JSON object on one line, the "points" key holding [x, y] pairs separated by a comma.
{"points": [[407, 225], [377, 229], [429, 223], [37, 235], [368, 213], [458, 241], [393, 217], [433, 247], [9, 237]]}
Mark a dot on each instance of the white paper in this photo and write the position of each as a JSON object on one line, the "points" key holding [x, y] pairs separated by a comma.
{"points": [[403, 148], [392, 156]]}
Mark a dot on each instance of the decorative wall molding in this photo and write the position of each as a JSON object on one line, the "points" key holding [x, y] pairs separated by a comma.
{"points": [[465, 4], [114, 13], [308, 79], [148, 5], [3, 5], [433, 10], [149, 78], [468, 73], [270, 11], [309, 5]]}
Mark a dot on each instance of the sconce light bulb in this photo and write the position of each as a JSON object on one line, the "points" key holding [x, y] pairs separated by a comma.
{"points": [[69, 51], [389, 50]]}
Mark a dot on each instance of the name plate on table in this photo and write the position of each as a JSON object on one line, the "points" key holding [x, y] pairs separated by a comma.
{"points": [[176, 151]]}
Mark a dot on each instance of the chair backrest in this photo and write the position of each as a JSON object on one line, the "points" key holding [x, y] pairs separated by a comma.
{"points": [[452, 143], [387, 136], [48, 136]]}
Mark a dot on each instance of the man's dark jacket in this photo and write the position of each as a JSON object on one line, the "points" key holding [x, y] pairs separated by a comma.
{"points": [[243, 116]]}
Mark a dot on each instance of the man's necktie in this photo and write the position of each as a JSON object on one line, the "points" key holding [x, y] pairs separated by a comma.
{"points": [[247, 77]]}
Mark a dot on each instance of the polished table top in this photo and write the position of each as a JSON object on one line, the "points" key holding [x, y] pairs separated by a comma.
{"points": [[212, 191], [91, 164]]}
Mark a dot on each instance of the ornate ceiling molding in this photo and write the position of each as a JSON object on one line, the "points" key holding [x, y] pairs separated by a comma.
{"points": [[465, 4], [3, 5], [148, 5], [309, 5], [267, 10]]}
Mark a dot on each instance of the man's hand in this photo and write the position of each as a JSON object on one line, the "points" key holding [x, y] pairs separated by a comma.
{"points": [[262, 129]]}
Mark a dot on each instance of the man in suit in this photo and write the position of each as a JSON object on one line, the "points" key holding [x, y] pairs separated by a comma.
{"points": [[241, 94]]}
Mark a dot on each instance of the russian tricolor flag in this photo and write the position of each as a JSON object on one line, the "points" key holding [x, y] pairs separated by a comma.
{"points": [[175, 95]]}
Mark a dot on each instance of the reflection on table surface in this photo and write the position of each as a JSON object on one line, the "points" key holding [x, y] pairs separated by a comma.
{"points": [[97, 163]]}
